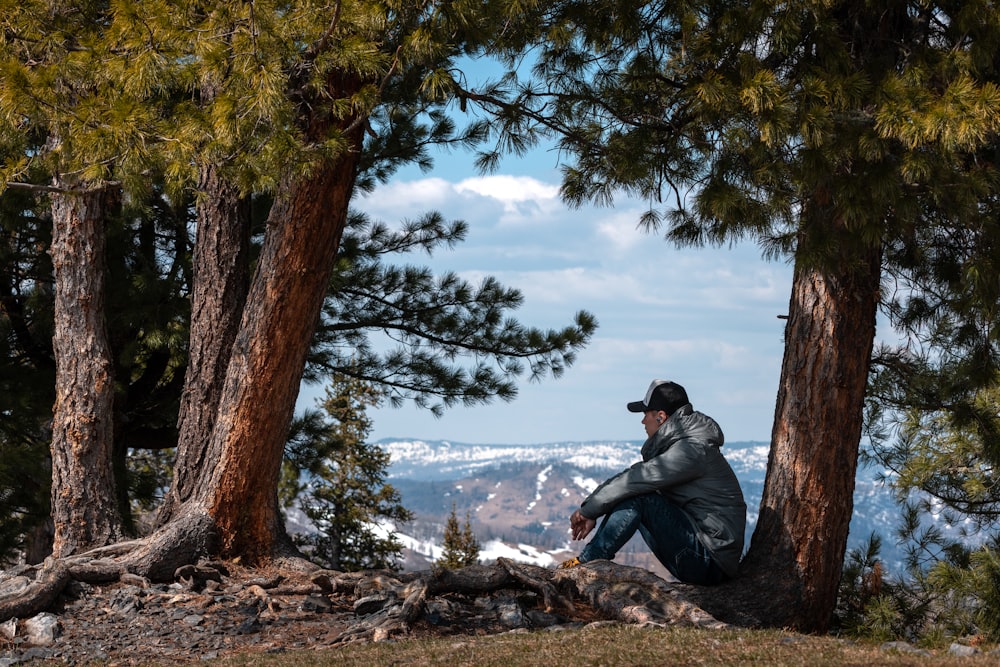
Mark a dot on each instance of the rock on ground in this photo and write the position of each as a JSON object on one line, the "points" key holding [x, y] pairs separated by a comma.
{"points": [[132, 624]]}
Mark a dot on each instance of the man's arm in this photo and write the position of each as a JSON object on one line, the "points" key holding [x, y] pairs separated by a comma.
{"points": [[681, 463]]}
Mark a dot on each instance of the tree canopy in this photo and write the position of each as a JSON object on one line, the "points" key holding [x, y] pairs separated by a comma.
{"points": [[857, 141], [192, 115]]}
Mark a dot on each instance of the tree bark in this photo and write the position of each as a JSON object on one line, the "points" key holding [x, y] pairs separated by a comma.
{"points": [[84, 509], [304, 231], [798, 545], [218, 296]]}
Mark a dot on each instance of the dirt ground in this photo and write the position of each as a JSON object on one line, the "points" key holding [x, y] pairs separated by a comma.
{"points": [[173, 623]]}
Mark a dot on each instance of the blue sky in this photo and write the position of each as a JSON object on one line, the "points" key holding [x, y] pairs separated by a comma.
{"points": [[704, 317]]}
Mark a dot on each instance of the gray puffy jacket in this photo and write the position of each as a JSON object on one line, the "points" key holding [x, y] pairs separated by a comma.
{"points": [[682, 462]]}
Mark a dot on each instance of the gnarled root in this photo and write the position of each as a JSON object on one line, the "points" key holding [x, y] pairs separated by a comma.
{"points": [[31, 590], [387, 607], [634, 595], [21, 596]]}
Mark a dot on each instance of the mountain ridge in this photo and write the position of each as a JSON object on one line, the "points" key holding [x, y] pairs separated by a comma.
{"points": [[408, 455], [518, 497]]}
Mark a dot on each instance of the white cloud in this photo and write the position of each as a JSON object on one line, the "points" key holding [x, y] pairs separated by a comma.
{"points": [[500, 200], [407, 198], [703, 316], [525, 200], [619, 230], [507, 188]]}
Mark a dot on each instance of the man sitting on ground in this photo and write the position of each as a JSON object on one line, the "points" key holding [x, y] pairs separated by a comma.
{"points": [[683, 497]]}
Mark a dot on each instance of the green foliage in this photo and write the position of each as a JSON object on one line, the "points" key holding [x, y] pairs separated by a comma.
{"points": [[407, 330], [942, 460], [947, 591], [972, 587], [460, 547], [27, 369], [264, 90], [338, 480], [868, 604], [949, 453], [729, 117]]}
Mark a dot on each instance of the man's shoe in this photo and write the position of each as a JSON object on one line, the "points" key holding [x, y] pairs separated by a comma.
{"points": [[566, 564]]}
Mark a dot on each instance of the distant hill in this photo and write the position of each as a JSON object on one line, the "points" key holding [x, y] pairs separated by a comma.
{"points": [[519, 497]]}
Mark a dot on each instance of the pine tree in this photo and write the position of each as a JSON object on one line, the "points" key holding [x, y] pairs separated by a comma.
{"points": [[340, 483], [460, 547], [442, 321], [146, 309], [845, 137], [299, 105]]}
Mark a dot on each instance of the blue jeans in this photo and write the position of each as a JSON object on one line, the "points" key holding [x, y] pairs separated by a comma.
{"points": [[667, 530]]}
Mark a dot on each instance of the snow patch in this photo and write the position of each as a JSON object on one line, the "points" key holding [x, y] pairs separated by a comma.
{"points": [[588, 484], [523, 553]]}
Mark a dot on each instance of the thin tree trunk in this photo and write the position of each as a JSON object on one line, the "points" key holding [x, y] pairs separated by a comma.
{"points": [[218, 296], [799, 542], [84, 509]]}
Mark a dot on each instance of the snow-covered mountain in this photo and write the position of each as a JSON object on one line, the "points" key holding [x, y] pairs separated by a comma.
{"points": [[519, 497], [442, 459]]}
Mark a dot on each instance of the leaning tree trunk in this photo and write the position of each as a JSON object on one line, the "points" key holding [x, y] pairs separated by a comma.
{"points": [[231, 507], [305, 226], [218, 295], [233, 511], [84, 507], [799, 542]]}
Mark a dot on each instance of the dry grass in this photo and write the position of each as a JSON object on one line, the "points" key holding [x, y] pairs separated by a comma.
{"points": [[615, 645]]}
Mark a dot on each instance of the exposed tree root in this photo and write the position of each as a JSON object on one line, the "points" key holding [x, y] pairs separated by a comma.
{"points": [[617, 592], [635, 595], [387, 604], [160, 557], [21, 596]]}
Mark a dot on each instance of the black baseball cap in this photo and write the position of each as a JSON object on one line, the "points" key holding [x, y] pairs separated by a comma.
{"points": [[661, 395]]}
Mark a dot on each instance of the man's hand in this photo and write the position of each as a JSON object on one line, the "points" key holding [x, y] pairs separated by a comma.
{"points": [[581, 525]]}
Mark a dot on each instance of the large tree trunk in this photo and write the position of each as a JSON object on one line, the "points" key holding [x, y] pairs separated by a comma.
{"points": [[221, 281], [797, 550], [228, 505], [798, 545], [232, 510], [304, 231], [84, 509]]}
